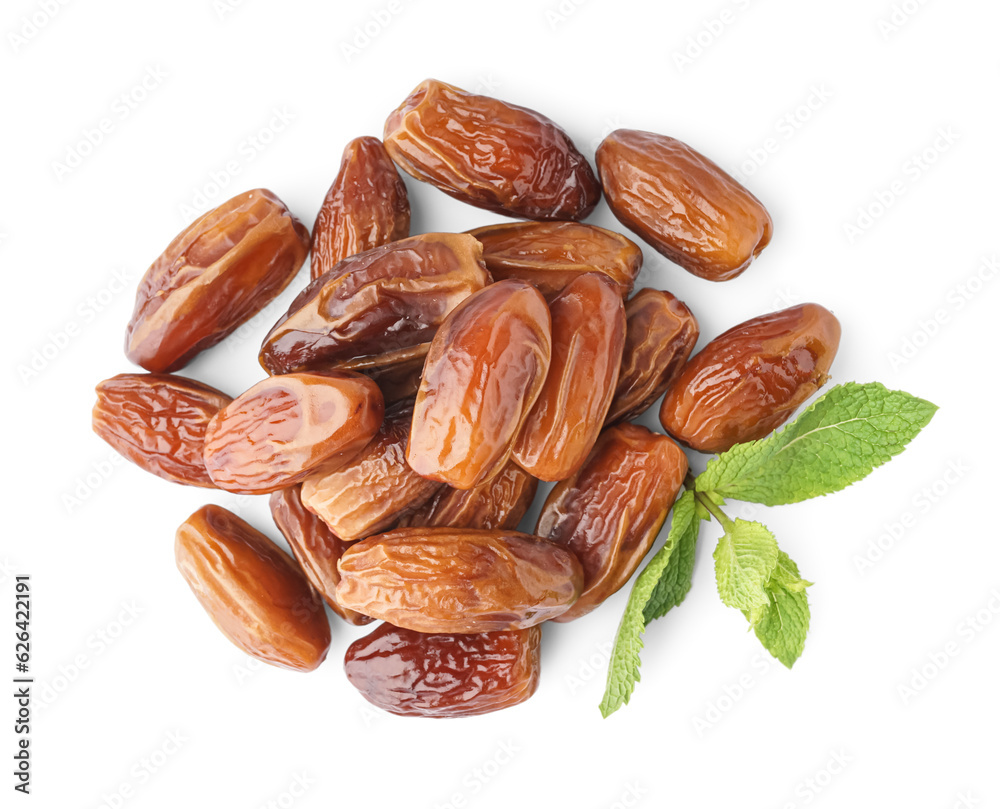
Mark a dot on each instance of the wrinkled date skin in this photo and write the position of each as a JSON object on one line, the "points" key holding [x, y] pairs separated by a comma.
{"points": [[365, 207], [490, 154], [682, 203], [610, 512], [389, 298], [660, 335], [549, 255], [443, 675], [588, 332], [216, 274], [749, 380], [315, 547], [397, 373], [485, 369], [368, 494], [458, 580], [289, 427], [254, 592], [158, 422], [500, 503]]}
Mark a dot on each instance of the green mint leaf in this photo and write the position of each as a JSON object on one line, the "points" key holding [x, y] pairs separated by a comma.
{"points": [[745, 558], [675, 579], [782, 625], [837, 441], [623, 669]]}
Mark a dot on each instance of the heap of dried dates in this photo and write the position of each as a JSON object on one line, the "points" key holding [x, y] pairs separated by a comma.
{"points": [[420, 387]]}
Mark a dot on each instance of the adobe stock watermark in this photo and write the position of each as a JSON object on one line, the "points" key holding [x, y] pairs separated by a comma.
{"points": [[708, 33], [631, 795], [914, 168], [95, 645], [897, 17], [86, 484], [32, 24], [955, 301], [476, 781], [967, 631], [810, 788], [143, 770], [589, 668], [786, 127], [213, 191], [121, 109], [921, 504], [733, 693], [7, 570], [223, 8], [367, 31], [298, 785], [59, 338], [965, 800], [559, 13]]}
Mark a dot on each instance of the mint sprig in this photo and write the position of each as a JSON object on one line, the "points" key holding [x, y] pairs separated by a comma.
{"points": [[837, 441]]}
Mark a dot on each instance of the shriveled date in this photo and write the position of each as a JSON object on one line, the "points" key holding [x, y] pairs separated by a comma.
{"points": [[315, 547], [549, 255], [491, 154], [217, 273], [369, 493], [501, 502], [484, 371], [377, 302], [365, 207], [588, 331], [442, 675], [252, 591], [158, 421], [660, 334], [682, 203], [458, 580], [749, 380], [289, 427], [610, 512]]}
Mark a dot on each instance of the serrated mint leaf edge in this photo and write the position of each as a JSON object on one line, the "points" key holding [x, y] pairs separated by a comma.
{"points": [[745, 558]]}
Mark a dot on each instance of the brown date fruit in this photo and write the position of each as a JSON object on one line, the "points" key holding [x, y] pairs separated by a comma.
{"points": [[610, 512], [660, 334], [158, 422], [397, 373], [749, 380], [485, 369], [288, 427], [682, 203], [253, 592], [377, 302], [368, 494], [549, 255], [218, 272], [315, 547], [588, 332], [490, 154], [500, 503], [365, 207], [443, 675], [458, 580]]}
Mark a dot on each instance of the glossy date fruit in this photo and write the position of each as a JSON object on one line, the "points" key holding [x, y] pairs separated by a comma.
{"points": [[588, 332], [491, 154], [610, 512], [397, 373], [682, 203], [217, 273], [549, 255], [458, 580], [443, 675], [485, 369], [749, 380], [370, 492], [660, 334], [253, 592], [499, 503], [375, 303], [315, 547], [158, 422], [288, 427], [365, 207]]}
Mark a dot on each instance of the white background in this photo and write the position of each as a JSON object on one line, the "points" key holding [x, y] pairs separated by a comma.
{"points": [[714, 722]]}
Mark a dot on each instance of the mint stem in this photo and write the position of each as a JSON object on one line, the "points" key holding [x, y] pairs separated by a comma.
{"points": [[710, 507]]}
